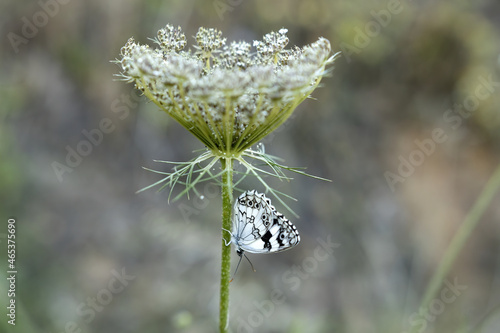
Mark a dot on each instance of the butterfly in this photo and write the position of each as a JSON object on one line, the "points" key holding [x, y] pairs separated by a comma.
{"points": [[259, 228]]}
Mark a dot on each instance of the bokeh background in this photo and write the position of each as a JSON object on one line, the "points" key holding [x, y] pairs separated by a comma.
{"points": [[407, 69]]}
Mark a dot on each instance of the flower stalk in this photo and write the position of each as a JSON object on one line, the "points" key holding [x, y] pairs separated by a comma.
{"points": [[458, 242], [225, 271]]}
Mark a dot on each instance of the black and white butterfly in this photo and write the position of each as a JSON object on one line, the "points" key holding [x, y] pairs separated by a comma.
{"points": [[259, 228]]}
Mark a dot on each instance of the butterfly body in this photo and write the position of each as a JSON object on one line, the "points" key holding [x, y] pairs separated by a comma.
{"points": [[259, 228]]}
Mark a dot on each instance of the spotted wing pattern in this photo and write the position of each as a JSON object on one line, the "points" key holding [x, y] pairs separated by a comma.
{"points": [[259, 228]]}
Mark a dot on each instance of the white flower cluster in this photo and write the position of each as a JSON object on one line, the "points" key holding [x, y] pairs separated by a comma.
{"points": [[227, 96]]}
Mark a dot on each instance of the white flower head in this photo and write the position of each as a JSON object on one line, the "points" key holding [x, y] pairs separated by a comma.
{"points": [[228, 96]]}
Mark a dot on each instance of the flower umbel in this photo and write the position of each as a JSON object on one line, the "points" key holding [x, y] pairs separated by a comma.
{"points": [[225, 95]]}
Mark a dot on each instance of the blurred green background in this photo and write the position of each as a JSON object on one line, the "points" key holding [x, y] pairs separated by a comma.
{"points": [[408, 68]]}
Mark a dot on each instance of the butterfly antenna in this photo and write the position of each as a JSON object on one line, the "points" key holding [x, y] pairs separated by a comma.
{"points": [[239, 253]]}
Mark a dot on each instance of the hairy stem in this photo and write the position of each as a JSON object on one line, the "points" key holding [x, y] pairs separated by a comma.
{"points": [[225, 271]]}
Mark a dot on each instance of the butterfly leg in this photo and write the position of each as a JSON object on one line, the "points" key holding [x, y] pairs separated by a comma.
{"points": [[240, 253], [227, 244]]}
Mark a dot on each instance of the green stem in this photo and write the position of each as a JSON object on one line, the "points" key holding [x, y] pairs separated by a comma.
{"points": [[225, 271], [458, 242]]}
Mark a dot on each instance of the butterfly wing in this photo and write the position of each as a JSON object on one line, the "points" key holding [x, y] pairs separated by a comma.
{"points": [[258, 228], [252, 216]]}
